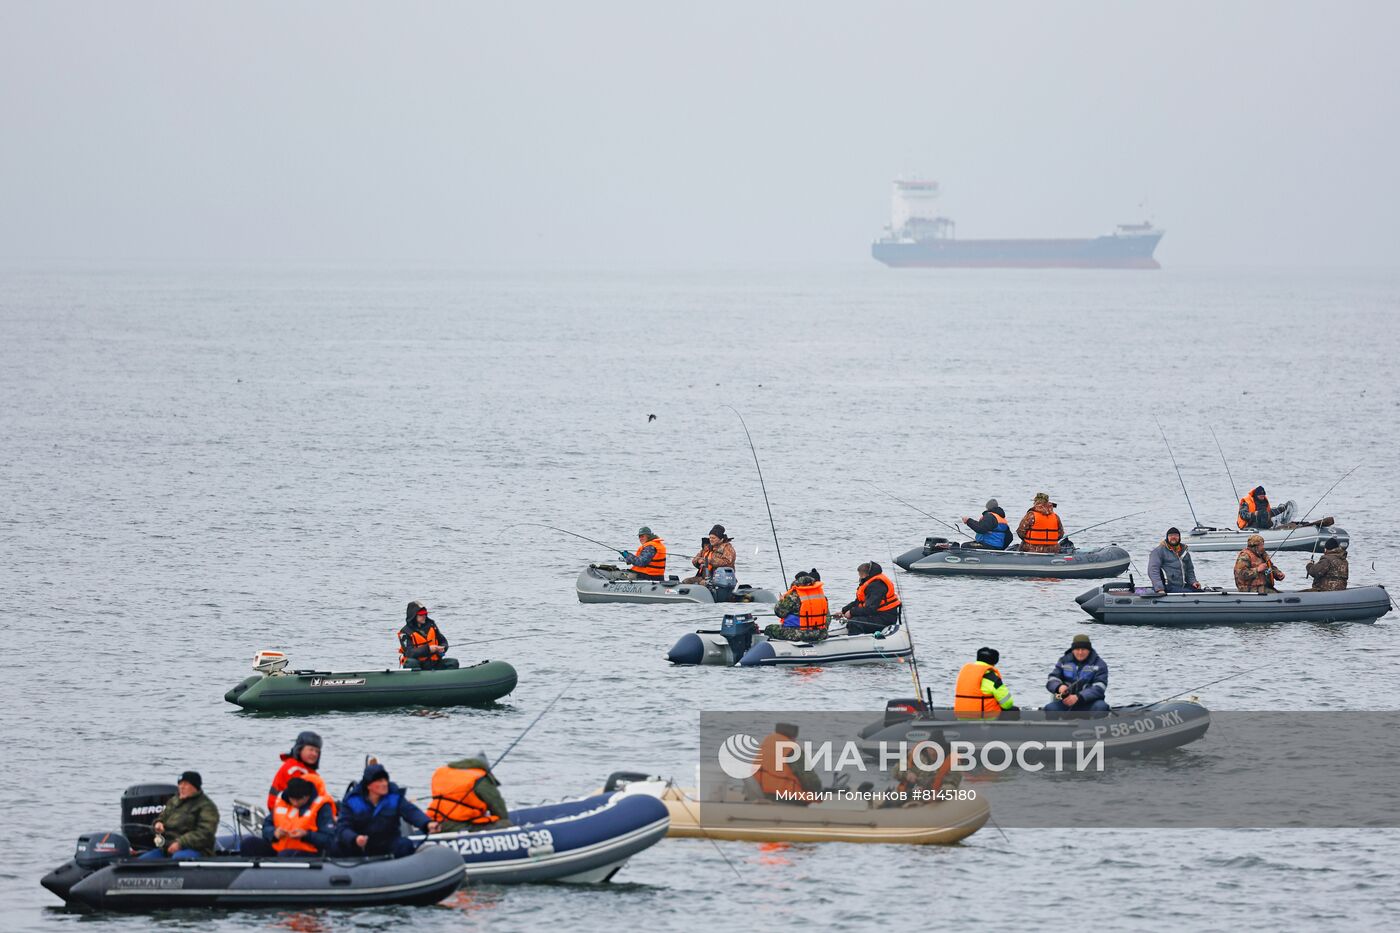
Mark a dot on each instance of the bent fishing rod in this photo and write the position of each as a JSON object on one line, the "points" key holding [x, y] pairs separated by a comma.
{"points": [[1233, 488], [911, 505], [763, 486], [571, 533], [1302, 523], [1109, 522], [1178, 473]]}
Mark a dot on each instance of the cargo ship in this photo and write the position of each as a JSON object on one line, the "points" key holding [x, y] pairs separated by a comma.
{"points": [[918, 236]]}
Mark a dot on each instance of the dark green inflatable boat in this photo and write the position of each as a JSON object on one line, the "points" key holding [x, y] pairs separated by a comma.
{"points": [[299, 691]]}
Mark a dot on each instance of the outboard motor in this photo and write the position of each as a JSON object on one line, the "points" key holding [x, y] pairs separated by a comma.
{"points": [[935, 544], [723, 583], [739, 630], [98, 849], [903, 709], [141, 804]]}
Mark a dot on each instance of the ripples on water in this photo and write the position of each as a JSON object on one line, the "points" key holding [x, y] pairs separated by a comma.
{"points": [[202, 463]]}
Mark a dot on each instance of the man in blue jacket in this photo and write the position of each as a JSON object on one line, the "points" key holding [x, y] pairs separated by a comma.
{"points": [[1079, 680], [370, 815]]}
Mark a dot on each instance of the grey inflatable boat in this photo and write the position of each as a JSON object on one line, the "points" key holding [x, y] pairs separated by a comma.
{"points": [[942, 557], [1125, 604], [604, 583]]}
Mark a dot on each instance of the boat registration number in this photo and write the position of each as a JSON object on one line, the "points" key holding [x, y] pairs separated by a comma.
{"points": [[1139, 726], [502, 842]]}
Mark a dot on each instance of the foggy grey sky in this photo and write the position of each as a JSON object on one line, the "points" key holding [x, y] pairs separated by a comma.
{"points": [[665, 133]]}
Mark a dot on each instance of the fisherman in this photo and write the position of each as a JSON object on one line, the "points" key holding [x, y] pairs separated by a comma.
{"points": [[916, 778], [1170, 568], [421, 644], [188, 824], [300, 824], [466, 796], [1254, 569], [301, 762], [1040, 530], [876, 606], [716, 550], [980, 693], [1330, 573], [649, 563], [782, 776], [370, 816], [993, 531], [1255, 511], [1079, 679], [803, 609]]}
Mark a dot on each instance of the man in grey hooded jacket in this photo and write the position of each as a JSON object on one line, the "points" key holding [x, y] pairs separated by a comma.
{"points": [[1169, 567]]}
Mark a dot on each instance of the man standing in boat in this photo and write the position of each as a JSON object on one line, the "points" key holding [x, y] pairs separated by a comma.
{"points": [[421, 644], [1079, 680], [1170, 568], [1254, 569], [992, 529], [649, 563], [716, 551], [1255, 511], [1040, 530]]}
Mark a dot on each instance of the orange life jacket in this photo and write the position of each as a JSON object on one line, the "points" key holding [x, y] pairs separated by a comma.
{"points": [[773, 775], [287, 817], [1045, 528], [969, 702], [294, 767], [1248, 505], [657, 566], [813, 610], [455, 799], [891, 600], [421, 638]]}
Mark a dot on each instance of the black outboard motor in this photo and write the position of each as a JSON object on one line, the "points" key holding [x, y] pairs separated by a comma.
{"points": [[98, 849], [141, 804], [739, 630], [904, 709], [937, 544]]}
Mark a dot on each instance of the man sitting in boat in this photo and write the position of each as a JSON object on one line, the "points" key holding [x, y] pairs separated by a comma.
{"points": [[716, 551], [1255, 511], [302, 762], [1170, 568], [1040, 530], [979, 692], [370, 816], [779, 775], [300, 825], [803, 609], [1330, 573], [915, 775], [467, 797], [649, 563], [421, 644], [876, 606], [992, 529], [1079, 679], [188, 824], [1254, 569]]}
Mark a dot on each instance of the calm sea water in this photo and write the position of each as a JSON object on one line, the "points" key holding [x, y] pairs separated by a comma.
{"points": [[199, 463]]}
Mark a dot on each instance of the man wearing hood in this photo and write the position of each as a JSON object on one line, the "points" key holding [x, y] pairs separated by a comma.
{"points": [[370, 815], [1330, 573], [421, 644], [803, 609], [1040, 530], [467, 797], [1255, 511], [1170, 568], [992, 529], [1254, 569], [302, 762], [1079, 680]]}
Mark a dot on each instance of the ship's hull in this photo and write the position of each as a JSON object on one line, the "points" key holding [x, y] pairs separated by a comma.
{"points": [[1105, 252]]}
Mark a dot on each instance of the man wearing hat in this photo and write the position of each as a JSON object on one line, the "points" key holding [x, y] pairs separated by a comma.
{"points": [[1254, 569], [1255, 511], [187, 826], [303, 761], [1040, 530], [715, 551], [992, 529], [979, 692], [370, 816], [300, 825], [649, 562], [1169, 566], [803, 609], [1330, 573], [421, 643], [1079, 679]]}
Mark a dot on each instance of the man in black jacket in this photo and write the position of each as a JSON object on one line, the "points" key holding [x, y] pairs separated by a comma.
{"points": [[421, 644], [876, 605]]}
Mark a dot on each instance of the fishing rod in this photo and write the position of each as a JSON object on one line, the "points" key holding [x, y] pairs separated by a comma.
{"points": [[1109, 522], [483, 641], [1302, 522], [911, 505], [762, 485], [1211, 684], [904, 617], [568, 532], [502, 756], [1233, 488], [1178, 473]]}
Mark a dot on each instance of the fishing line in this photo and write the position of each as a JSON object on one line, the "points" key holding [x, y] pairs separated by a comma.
{"points": [[911, 505], [522, 735]]}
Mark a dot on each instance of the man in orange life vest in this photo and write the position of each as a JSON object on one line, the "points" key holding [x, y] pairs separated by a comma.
{"points": [[780, 775], [980, 693], [649, 563], [302, 762], [467, 797], [803, 609], [1040, 530], [300, 825], [1255, 511], [421, 644], [876, 606]]}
